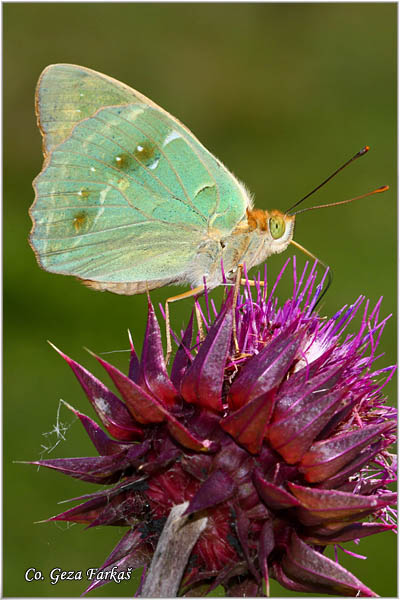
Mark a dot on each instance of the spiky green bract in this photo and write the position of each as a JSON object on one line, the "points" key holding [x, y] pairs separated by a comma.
{"points": [[285, 447]]}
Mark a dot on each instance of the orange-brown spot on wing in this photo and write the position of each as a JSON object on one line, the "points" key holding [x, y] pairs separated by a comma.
{"points": [[79, 220], [84, 193], [144, 152], [257, 219], [123, 161]]}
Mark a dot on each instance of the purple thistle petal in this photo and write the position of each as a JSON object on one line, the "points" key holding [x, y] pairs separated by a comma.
{"points": [[327, 457], [130, 553], [345, 317], [233, 459], [259, 512], [147, 409], [248, 424], [167, 453], [84, 513], [354, 554], [303, 274], [103, 444], [216, 489], [308, 286], [143, 576], [244, 588], [185, 437], [271, 296], [333, 505], [98, 469], [197, 465], [354, 531], [283, 473], [206, 298], [183, 358], [130, 541], [355, 466], [243, 528], [264, 371], [202, 383], [317, 293], [137, 481], [266, 544], [112, 412], [89, 510], [214, 308], [298, 379], [153, 372], [144, 408], [392, 372], [288, 583], [293, 434], [302, 384], [118, 510], [310, 567], [94, 469], [220, 578], [275, 497], [134, 365], [341, 415]]}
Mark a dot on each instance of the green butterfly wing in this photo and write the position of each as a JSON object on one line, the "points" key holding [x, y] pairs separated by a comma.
{"points": [[127, 194], [67, 94]]}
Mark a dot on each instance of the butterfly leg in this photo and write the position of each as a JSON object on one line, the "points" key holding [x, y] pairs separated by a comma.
{"points": [[197, 291], [199, 319], [252, 283]]}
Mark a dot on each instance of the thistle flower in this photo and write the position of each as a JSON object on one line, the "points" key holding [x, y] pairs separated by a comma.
{"points": [[285, 447]]}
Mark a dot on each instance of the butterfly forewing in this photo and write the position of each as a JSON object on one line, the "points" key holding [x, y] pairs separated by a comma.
{"points": [[66, 94], [127, 192]]}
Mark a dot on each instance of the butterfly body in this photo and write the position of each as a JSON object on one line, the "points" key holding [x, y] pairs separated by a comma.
{"points": [[129, 200]]}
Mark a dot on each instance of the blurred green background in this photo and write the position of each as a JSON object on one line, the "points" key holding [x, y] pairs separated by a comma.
{"points": [[282, 94]]}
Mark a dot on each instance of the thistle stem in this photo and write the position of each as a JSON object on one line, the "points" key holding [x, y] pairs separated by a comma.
{"points": [[179, 535]]}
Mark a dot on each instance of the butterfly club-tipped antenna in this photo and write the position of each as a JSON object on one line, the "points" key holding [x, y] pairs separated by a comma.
{"points": [[379, 190], [361, 152]]}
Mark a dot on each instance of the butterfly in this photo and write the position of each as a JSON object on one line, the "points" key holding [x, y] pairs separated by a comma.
{"points": [[129, 200]]}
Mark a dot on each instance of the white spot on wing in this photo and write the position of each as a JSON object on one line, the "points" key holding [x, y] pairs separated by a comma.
{"points": [[173, 135], [154, 164], [92, 169], [103, 195]]}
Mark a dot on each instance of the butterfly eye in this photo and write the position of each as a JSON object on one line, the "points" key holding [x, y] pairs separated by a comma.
{"points": [[276, 227]]}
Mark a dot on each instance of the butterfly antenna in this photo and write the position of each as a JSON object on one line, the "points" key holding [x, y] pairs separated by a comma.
{"points": [[348, 162], [329, 270], [379, 190]]}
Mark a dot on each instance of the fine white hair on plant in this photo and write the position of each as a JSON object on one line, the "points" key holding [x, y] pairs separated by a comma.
{"points": [[57, 434]]}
